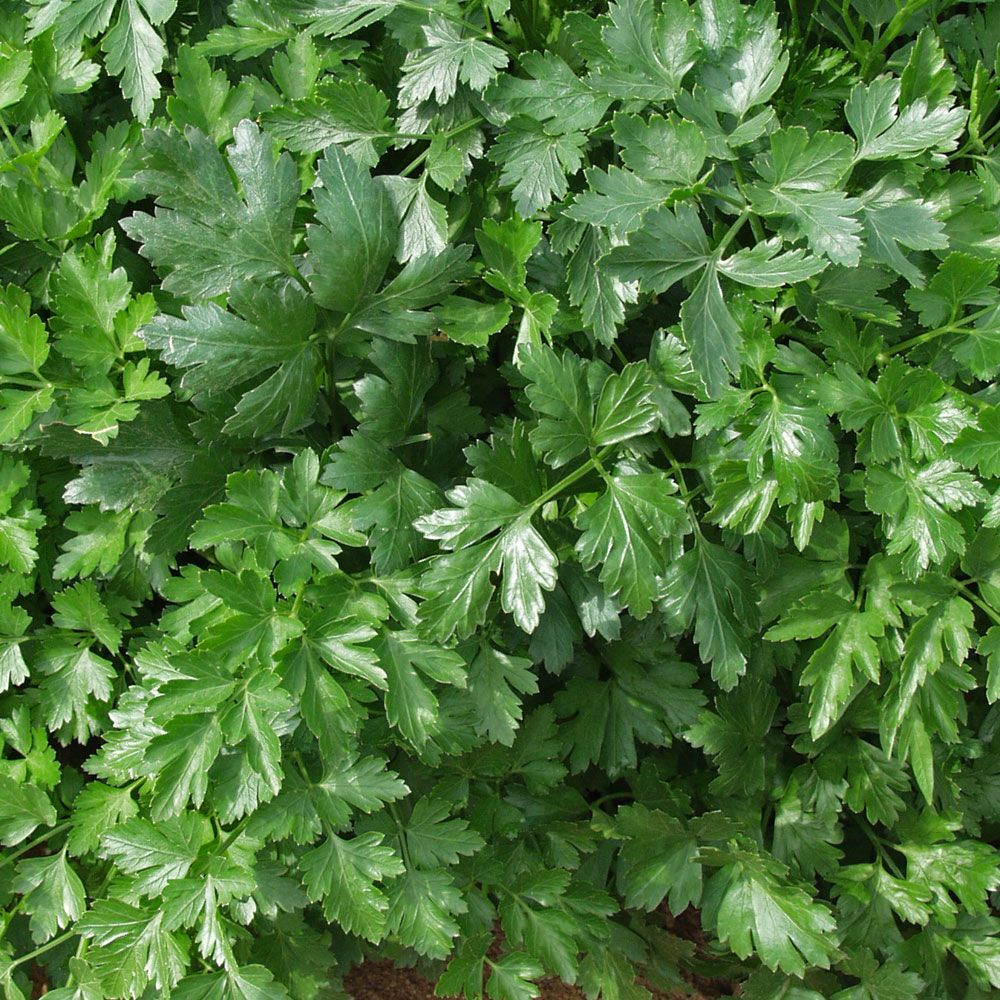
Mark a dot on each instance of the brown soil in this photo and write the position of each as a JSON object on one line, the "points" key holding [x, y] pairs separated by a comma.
{"points": [[385, 981]]}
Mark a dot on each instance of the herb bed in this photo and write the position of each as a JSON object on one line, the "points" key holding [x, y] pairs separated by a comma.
{"points": [[507, 487]]}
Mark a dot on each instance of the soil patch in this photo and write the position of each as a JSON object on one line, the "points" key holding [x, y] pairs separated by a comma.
{"points": [[384, 981]]}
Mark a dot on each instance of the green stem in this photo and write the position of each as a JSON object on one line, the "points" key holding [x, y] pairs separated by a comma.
{"points": [[730, 233], [233, 835], [429, 136], [299, 278], [879, 844], [25, 383], [416, 438], [727, 198], [477, 32], [610, 797], [845, 14], [401, 835], [892, 30], [415, 163], [574, 476], [31, 955], [755, 225], [963, 326], [978, 602], [9, 859], [10, 914], [15, 145]]}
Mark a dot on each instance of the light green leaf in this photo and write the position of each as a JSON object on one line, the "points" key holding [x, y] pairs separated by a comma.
{"points": [[756, 910], [23, 808], [53, 894], [495, 682], [206, 235], [884, 131], [626, 532], [343, 875], [534, 163], [434, 71], [355, 236], [709, 586]]}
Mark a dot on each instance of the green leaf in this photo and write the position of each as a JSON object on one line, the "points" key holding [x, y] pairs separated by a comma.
{"points": [[495, 681], [97, 809], [661, 149], [349, 113], [249, 982], [670, 245], [962, 870], [830, 670], [511, 977], [617, 199], [224, 349], [395, 497], [422, 912], [711, 333], [355, 236], [915, 503], [423, 222], [625, 407], [649, 51], [181, 758], [535, 163], [945, 629], [657, 860], [977, 446], [204, 99], [136, 53], [24, 344], [755, 909], [989, 648], [960, 280], [518, 551], [885, 131], [410, 705], [433, 839], [472, 323], [893, 221], [649, 697], [554, 94], [887, 982], [23, 808], [207, 235], [130, 948], [53, 894], [733, 735], [75, 678], [558, 390], [627, 532], [433, 72], [360, 784], [343, 875], [464, 974], [799, 177], [155, 855], [763, 266], [801, 449], [709, 586], [747, 69], [14, 623]]}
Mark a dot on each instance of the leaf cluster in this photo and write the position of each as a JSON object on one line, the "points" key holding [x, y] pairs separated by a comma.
{"points": [[481, 479]]}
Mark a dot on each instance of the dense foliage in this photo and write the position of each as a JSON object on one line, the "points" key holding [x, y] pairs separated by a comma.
{"points": [[484, 471]]}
